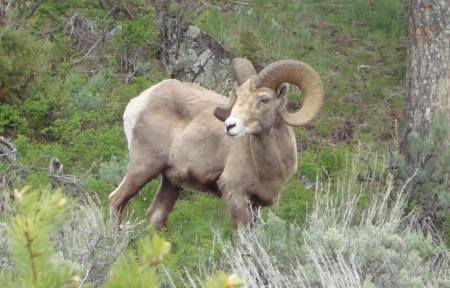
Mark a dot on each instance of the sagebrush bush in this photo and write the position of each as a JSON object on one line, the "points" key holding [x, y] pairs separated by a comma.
{"points": [[114, 171], [342, 245], [5, 258], [429, 158], [88, 240]]}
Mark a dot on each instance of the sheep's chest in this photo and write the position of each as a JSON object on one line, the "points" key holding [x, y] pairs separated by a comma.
{"points": [[190, 179]]}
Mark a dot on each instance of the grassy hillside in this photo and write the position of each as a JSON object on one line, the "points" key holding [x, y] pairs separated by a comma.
{"points": [[68, 69], [71, 67]]}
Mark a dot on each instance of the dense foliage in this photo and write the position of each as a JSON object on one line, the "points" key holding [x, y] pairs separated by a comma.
{"points": [[67, 71]]}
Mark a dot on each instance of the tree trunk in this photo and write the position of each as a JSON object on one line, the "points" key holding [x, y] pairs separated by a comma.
{"points": [[426, 134], [428, 69]]}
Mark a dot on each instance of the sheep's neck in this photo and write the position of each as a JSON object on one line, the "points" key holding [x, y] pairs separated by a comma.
{"points": [[271, 152]]}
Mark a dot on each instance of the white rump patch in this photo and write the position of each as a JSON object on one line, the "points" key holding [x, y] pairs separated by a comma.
{"points": [[132, 111]]}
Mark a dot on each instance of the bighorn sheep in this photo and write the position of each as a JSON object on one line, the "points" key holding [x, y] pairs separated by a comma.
{"points": [[173, 130]]}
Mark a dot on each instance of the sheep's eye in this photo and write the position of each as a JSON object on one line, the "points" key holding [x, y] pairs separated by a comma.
{"points": [[265, 100]]}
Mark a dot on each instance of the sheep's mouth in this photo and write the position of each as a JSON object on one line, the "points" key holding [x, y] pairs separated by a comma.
{"points": [[233, 135]]}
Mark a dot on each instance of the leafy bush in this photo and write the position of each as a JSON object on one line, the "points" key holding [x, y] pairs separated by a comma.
{"points": [[10, 118], [191, 225], [133, 41], [23, 59], [296, 200]]}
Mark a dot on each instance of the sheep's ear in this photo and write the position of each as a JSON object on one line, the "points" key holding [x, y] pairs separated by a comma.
{"points": [[282, 90], [223, 112]]}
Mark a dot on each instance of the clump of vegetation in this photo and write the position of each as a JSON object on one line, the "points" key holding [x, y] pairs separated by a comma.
{"points": [[342, 245], [149, 253], [51, 239], [252, 46], [53, 242], [429, 159], [30, 246], [23, 63]]}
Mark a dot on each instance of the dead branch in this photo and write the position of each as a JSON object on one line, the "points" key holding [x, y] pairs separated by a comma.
{"points": [[33, 10], [128, 11], [241, 3], [84, 32], [7, 150], [87, 53]]}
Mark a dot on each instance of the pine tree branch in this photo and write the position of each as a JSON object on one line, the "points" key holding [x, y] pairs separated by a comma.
{"points": [[30, 253]]}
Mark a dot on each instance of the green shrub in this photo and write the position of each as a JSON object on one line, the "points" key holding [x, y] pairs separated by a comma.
{"points": [[191, 225], [23, 61], [135, 32], [251, 46], [10, 118], [295, 201]]}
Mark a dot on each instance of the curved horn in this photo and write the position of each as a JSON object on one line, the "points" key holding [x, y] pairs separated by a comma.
{"points": [[242, 70], [304, 77]]}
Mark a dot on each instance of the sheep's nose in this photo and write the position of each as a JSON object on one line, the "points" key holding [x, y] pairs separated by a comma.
{"points": [[233, 127], [229, 126]]}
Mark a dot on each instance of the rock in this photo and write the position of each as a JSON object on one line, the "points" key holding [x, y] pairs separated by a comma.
{"points": [[194, 56]]}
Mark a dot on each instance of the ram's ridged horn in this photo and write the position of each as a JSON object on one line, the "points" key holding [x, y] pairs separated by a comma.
{"points": [[304, 77], [242, 71]]}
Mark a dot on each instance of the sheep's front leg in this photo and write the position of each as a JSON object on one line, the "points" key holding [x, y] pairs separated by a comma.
{"points": [[237, 207]]}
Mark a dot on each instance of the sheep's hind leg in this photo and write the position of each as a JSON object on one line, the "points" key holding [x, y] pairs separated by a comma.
{"points": [[162, 204], [138, 175]]}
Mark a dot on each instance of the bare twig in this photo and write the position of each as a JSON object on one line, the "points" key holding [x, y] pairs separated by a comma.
{"points": [[241, 3], [389, 97], [128, 11], [34, 10], [7, 150], [87, 53]]}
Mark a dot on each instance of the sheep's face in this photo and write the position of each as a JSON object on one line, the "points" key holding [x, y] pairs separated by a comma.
{"points": [[255, 110]]}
